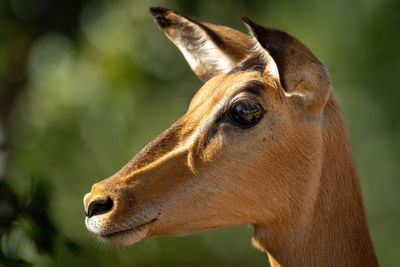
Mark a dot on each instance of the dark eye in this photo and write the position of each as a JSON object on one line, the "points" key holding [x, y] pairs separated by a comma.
{"points": [[246, 114]]}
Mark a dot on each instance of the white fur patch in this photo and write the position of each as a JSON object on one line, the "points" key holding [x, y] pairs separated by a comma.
{"points": [[93, 224], [294, 94]]}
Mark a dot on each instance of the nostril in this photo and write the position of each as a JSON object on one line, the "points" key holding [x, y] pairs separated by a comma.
{"points": [[99, 206]]}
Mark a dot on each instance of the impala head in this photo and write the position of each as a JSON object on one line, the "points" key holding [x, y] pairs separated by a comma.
{"points": [[247, 151]]}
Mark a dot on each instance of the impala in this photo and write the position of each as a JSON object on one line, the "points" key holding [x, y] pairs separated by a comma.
{"points": [[263, 142]]}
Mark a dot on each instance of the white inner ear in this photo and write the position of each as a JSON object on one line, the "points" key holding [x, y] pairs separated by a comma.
{"points": [[199, 50], [271, 68]]}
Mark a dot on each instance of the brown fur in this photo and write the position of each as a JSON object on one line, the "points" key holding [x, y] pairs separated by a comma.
{"points": [[292, 175]]}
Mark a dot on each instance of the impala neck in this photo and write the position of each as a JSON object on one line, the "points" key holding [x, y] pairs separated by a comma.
{"points": [[337, 232]]}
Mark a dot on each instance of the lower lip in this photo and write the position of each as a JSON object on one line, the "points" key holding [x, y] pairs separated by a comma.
{"points": [[129, 236], [123, 232]]}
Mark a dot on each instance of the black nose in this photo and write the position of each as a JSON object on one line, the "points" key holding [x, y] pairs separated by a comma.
{"points": [[99, 206]]}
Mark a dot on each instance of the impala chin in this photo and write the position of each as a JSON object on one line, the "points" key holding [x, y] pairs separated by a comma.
{"points": [[125, 236]]}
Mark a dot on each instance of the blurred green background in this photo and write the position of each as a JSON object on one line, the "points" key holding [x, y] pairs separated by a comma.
{"points": [[85, 84]]}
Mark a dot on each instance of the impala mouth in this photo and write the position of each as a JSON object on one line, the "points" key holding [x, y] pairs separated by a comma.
{"points": [[128, 236]]}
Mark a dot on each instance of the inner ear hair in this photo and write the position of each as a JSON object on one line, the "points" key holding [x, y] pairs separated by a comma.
{"points": [[209, 49]]}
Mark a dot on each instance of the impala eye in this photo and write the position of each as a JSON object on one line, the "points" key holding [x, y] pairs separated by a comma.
{"points": [[246, 114]]}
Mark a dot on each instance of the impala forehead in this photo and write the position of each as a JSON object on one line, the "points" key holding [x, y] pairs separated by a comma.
{"points": [[222, 86]]}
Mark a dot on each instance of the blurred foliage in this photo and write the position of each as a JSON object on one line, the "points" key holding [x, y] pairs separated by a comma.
{"points": [[85, 84], [26, 228]]}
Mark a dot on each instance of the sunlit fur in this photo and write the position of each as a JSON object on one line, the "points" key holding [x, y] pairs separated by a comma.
{"points": [[292, 175]]}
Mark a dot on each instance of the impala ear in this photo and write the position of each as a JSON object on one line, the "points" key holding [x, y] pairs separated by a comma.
{"points": [[209, 49], [300, 72]]}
